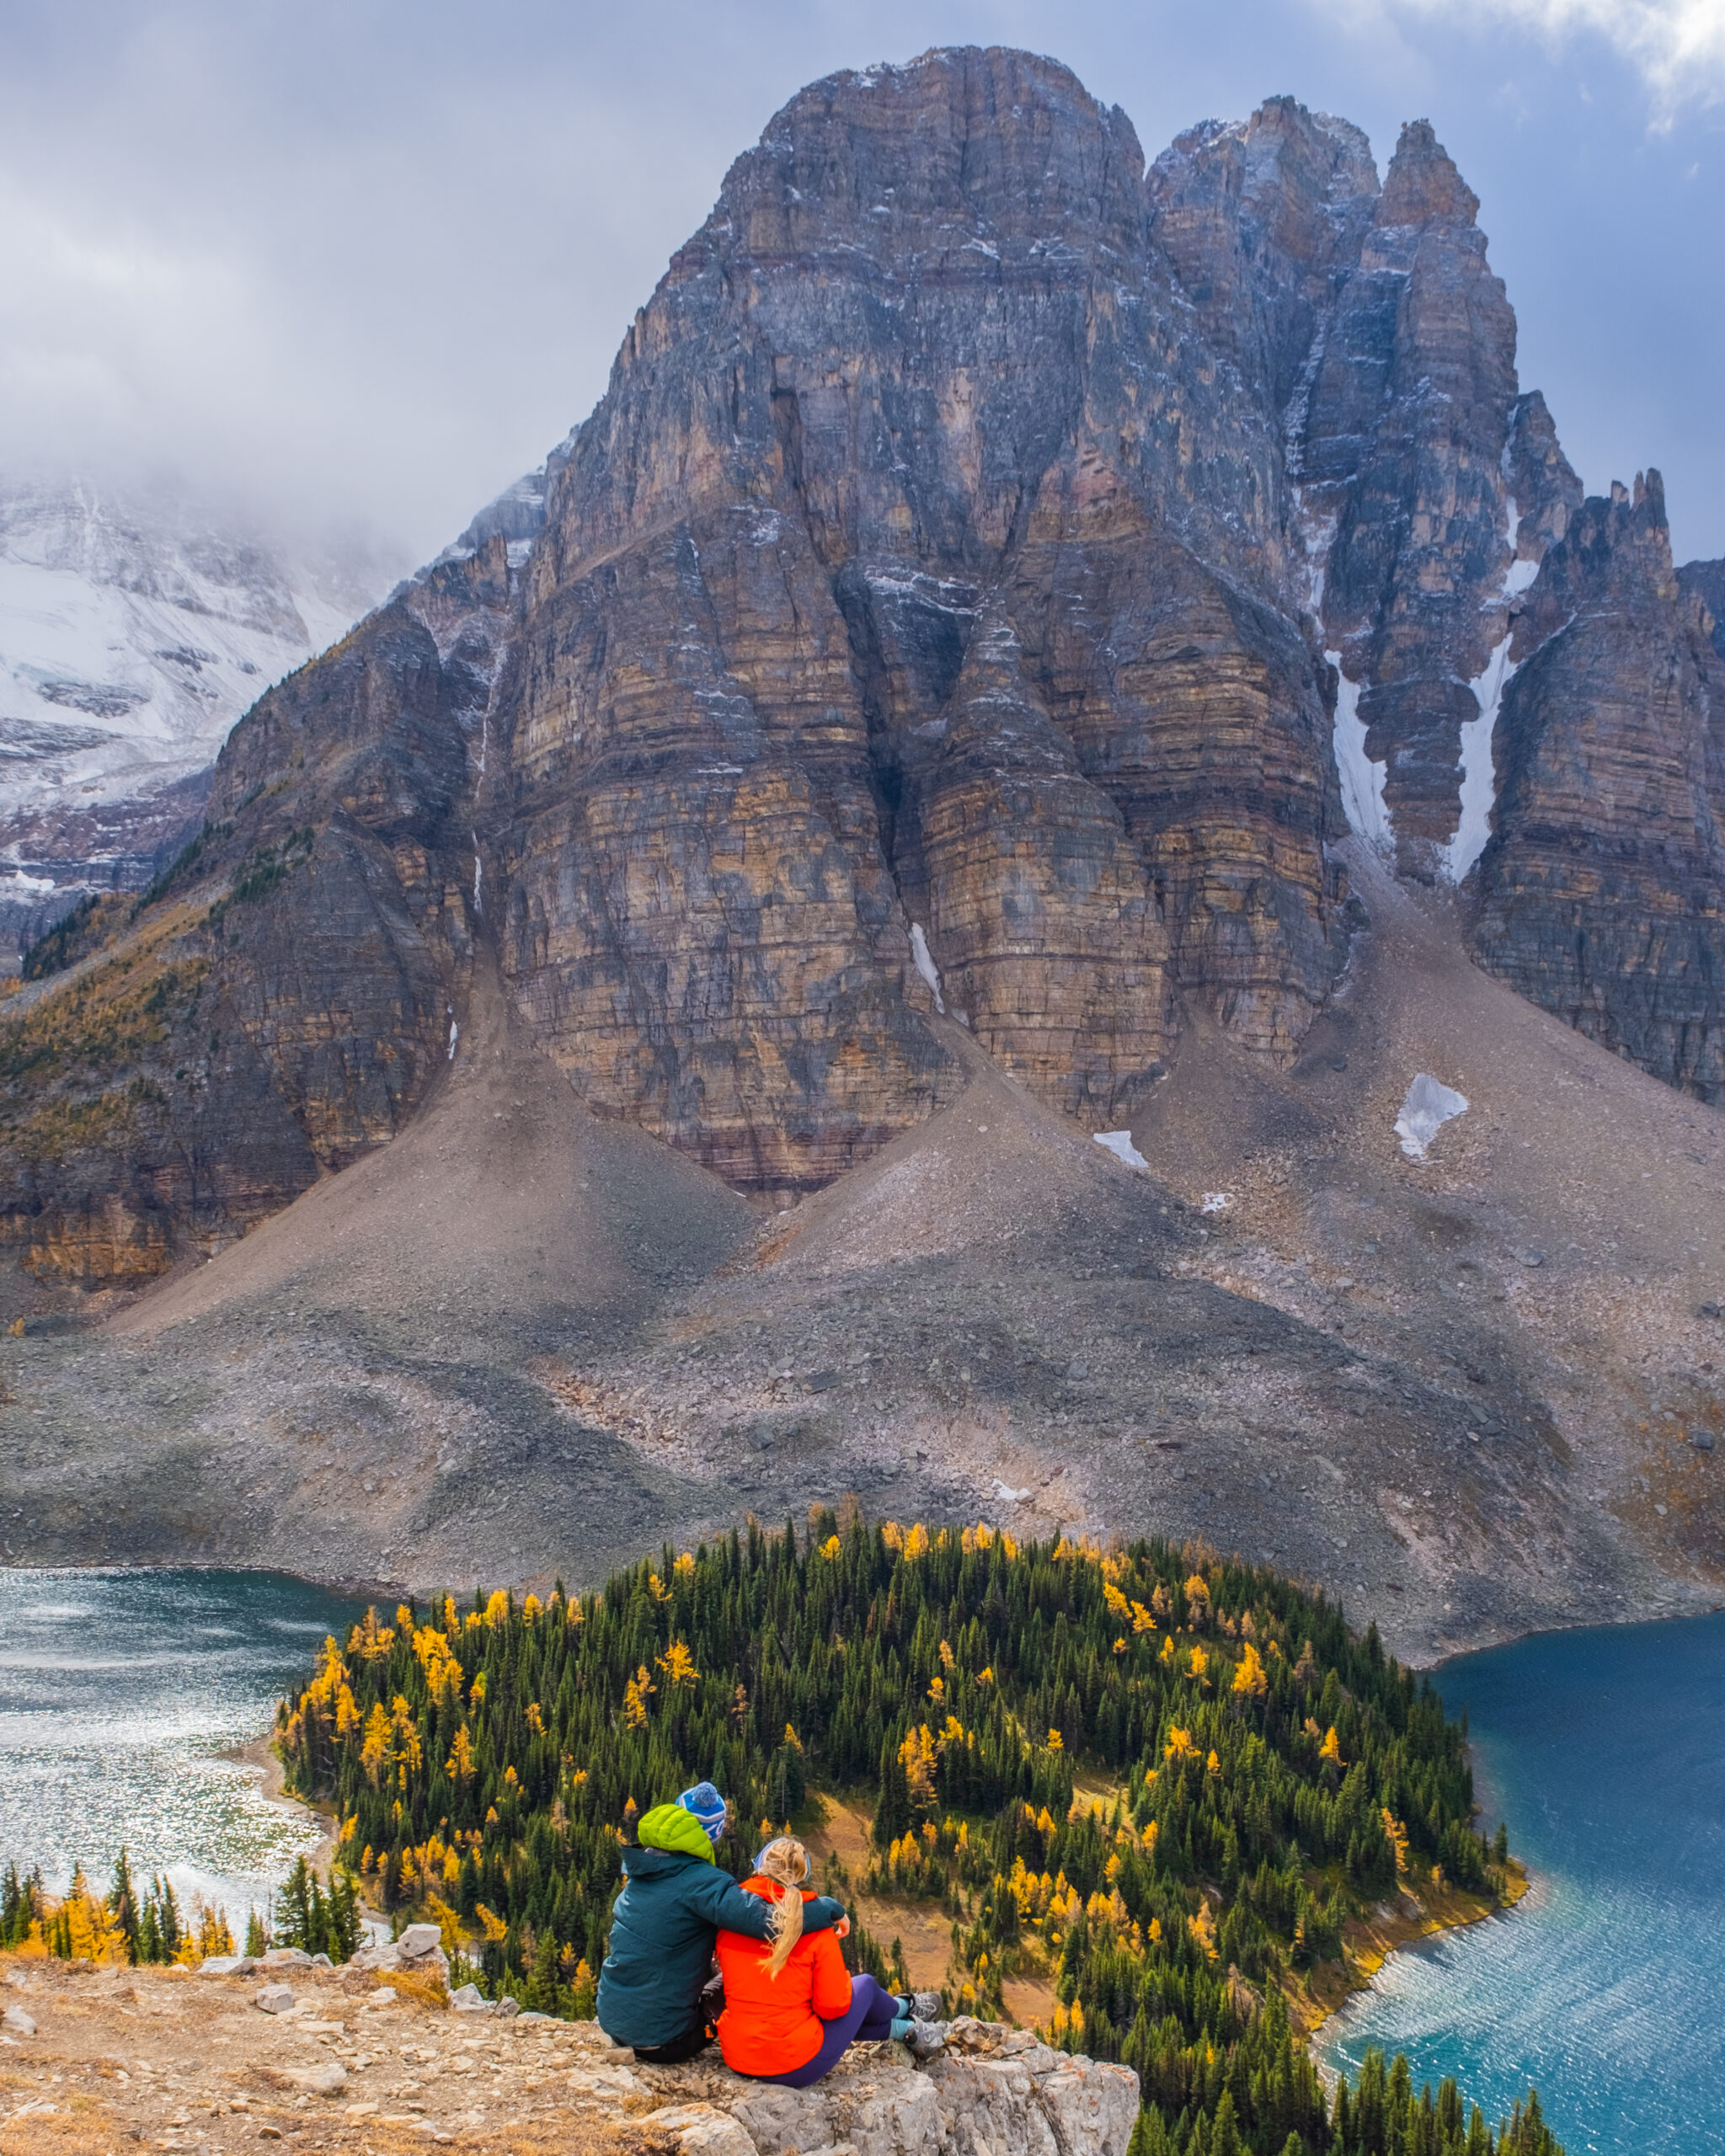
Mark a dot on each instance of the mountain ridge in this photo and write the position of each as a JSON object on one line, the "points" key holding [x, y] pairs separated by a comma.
{"points": [[933, 676]]}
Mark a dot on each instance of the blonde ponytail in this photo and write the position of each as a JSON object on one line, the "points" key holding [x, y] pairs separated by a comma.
{"points": [[786, 1862]]}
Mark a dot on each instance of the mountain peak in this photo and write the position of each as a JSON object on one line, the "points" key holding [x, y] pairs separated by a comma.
{"points": [[1423, 185]]}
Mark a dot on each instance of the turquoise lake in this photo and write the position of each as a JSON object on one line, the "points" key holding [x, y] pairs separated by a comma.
{"points": [[1605, 1988], [119, 1692]]}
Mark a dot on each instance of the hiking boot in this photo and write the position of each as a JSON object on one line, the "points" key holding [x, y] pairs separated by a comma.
{"points": [[925, 2006], [926, 2038]]}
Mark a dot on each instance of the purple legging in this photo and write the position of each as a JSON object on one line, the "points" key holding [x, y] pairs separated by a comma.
{"points": [[868, 2018]]}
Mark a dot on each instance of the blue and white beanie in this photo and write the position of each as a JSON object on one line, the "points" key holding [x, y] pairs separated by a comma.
{"points": [[707, 1805]]}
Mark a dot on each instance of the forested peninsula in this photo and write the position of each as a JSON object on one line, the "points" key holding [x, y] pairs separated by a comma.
{"points": [[1154, 1782]]}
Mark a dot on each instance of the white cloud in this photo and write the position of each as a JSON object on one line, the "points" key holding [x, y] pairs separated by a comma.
{"points": [[1678, 46]]}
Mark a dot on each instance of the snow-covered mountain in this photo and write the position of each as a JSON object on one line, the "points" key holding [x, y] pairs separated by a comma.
{"points": [[133, 634]]}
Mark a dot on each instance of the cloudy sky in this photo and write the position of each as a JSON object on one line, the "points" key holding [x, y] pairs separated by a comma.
{"points": [[362, 262]]}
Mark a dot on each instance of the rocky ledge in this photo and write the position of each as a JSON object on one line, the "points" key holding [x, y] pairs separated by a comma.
{"points": [[290, 2049], [992, 2090]]}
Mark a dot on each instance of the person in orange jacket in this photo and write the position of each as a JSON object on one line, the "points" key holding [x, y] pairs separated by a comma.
{"points": [[792, 2009]]}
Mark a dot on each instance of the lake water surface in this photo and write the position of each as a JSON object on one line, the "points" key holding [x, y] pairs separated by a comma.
{"points": [[1605, 1751], [119, 1691]]}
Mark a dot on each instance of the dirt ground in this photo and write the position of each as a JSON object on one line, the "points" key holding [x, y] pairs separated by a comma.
{"points": [[124, 2057]]}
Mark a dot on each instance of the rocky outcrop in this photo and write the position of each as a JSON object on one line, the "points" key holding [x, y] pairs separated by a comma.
{"points": [[1602, 892], [1400, 451], [993, 2088]]}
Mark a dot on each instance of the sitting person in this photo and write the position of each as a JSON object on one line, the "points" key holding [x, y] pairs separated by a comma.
{"points": [[791, 2010], [663, 1928]]}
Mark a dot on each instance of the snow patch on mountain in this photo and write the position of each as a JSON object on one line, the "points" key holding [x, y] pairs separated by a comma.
{"points": [[132, 636], [1362, 780]]}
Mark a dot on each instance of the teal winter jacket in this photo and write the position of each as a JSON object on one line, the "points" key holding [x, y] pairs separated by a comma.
{"points": [[674, 1901]]}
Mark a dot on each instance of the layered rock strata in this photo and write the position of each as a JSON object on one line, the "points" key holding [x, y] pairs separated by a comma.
{"points": [[925, 613], [1602, 891], [921, 370]]}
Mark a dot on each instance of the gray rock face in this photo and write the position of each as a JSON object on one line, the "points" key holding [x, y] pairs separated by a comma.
{"points": [[1602, 893], [1706, 581], [993, 2089]]}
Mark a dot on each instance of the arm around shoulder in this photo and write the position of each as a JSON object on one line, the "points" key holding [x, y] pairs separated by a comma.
{"points": [[822, 1914], [723, 1902]]}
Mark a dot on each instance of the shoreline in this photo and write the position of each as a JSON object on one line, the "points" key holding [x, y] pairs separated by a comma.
{"points": [[259, 1753], [1369, 1942], [380, 1590]]}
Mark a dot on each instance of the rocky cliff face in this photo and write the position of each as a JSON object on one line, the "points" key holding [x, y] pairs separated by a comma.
{"points": [[933, 611], [1603, 888], [851, 616]]}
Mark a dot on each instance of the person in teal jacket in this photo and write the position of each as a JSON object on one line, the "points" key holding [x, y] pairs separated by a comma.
{"points": [[674, 1901]]}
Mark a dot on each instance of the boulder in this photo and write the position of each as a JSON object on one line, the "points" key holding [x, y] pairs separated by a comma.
{"points": [[275, 1999], [17, 2023], [227, 1964], [704, 2130], [326, 2079], [992, 2089], [287, 1957], [417, 1941], [467, 2000]]}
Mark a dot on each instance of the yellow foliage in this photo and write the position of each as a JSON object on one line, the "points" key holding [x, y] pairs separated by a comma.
{"points": [[497, 1610], [1397, 1834], [492, 1925], [1056, 1743], [678, 1665], [1179, 1745], [374, 1753], [1142, 1621], [1203, 1928], [636, 1694], [1117, 1602], [832, 1549], [1197, 1664], [917, 1541], [459, 1765], [369, 1640], [1249, 1678], [536, 1721], [1212, 1765], [684, 1566], [448, 1922], [916, 1755], [1330, 1749]]}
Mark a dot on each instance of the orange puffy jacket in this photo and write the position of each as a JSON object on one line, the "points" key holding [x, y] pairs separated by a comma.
{"points": [[772, 2025]]}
